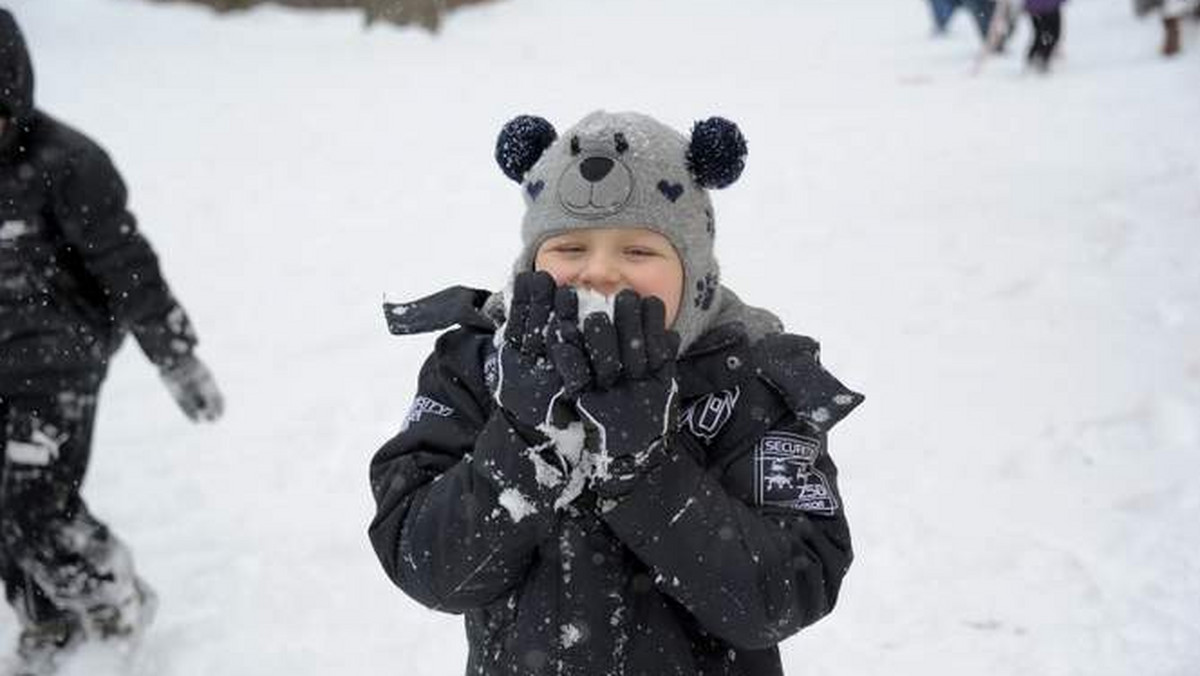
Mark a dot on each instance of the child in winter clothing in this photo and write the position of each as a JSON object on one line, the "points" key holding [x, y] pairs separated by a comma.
{"points": [[615, 467], [75, 276]]}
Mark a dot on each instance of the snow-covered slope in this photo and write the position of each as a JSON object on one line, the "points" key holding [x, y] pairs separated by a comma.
{"points": [[1004, 263]]}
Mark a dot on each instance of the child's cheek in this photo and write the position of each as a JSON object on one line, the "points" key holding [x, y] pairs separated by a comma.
{"points": [[545, 264], [672, 311], [561, 277]]}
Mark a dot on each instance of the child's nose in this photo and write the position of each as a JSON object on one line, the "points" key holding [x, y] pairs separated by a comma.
{"points": [[600, 275]]}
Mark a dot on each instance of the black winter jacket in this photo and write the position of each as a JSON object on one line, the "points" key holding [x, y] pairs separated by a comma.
{"points": [[734, 543], [75, 273]]}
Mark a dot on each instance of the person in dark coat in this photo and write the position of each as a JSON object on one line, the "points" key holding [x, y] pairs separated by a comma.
{"points": [[75, 276], [1046, 16], [615, 466]]}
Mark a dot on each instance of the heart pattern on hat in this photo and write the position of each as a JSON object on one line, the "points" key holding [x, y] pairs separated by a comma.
{"points": [[671, 191]]}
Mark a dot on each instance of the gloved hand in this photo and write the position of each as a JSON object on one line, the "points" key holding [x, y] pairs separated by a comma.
{"points": [[631, 403], [527, 385], [191, 384], [567, 348]]}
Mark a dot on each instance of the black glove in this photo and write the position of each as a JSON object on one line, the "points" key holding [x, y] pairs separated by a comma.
{"points": [[632, 403], [527, 385], [192, 386], [567, 348]]}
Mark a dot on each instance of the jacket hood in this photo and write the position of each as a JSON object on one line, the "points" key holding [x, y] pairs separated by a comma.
{"points": [[16, 78]]}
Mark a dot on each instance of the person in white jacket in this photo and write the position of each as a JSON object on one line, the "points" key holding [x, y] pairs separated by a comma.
{"points": [[1172, 13]]}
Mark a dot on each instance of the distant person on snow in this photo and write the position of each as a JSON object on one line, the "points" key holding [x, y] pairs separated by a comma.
{"points": [[75, 275], [981, 11], [1172, 12], [615, 466], [1046, 16]]}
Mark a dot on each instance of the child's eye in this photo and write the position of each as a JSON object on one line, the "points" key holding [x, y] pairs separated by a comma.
{"points": [[638, 252], [568, 248]]}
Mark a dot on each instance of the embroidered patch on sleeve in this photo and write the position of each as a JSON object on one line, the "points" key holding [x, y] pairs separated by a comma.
{"points": [[707, 416], [423, 405], [785, 474]]}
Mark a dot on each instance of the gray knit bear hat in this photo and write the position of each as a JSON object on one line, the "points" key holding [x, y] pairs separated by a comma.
{"points": [[616, 170]]}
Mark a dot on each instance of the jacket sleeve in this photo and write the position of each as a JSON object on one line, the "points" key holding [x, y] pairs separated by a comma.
{"points": [[460, 508], [90, 207], [752, 573], [756, 546]]}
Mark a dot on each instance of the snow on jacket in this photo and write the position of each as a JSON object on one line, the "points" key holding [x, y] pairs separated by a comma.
{"points": [[75, 273], [735, 542]]}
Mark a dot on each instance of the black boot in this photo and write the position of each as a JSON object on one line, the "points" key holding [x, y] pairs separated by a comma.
{"points": [[42, 645]]}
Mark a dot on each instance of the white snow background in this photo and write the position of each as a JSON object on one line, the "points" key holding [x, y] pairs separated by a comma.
{"points": [[1005, 264]]}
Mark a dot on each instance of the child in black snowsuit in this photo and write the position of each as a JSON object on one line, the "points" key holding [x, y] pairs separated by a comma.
{"points": [[1046, 17], [595, 492], [75, 275]]}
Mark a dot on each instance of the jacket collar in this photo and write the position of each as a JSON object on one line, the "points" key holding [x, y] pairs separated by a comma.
{"points": [[718, 360]]}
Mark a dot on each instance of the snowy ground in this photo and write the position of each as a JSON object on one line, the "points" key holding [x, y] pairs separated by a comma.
{"points": [[1006, 264]]}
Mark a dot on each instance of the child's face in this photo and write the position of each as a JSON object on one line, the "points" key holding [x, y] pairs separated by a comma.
{"points": [[608, 260]]}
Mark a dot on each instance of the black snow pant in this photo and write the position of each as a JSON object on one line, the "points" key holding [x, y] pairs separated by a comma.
{"points": [[1047, 27], [56, 559]]}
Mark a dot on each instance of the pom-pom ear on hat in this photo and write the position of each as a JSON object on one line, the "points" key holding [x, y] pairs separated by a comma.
{"points": [[521, 142], [716, 154]]}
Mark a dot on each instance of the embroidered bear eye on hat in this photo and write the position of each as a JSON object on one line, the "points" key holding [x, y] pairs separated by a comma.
{"points": [[628, 170]]}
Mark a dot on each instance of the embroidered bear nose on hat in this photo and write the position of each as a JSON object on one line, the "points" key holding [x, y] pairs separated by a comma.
{"points": [[596, 183], [594, 169], [627, 170]]}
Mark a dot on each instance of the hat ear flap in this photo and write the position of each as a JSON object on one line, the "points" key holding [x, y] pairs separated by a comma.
{"points": [[716, 154], [521, 142]]}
